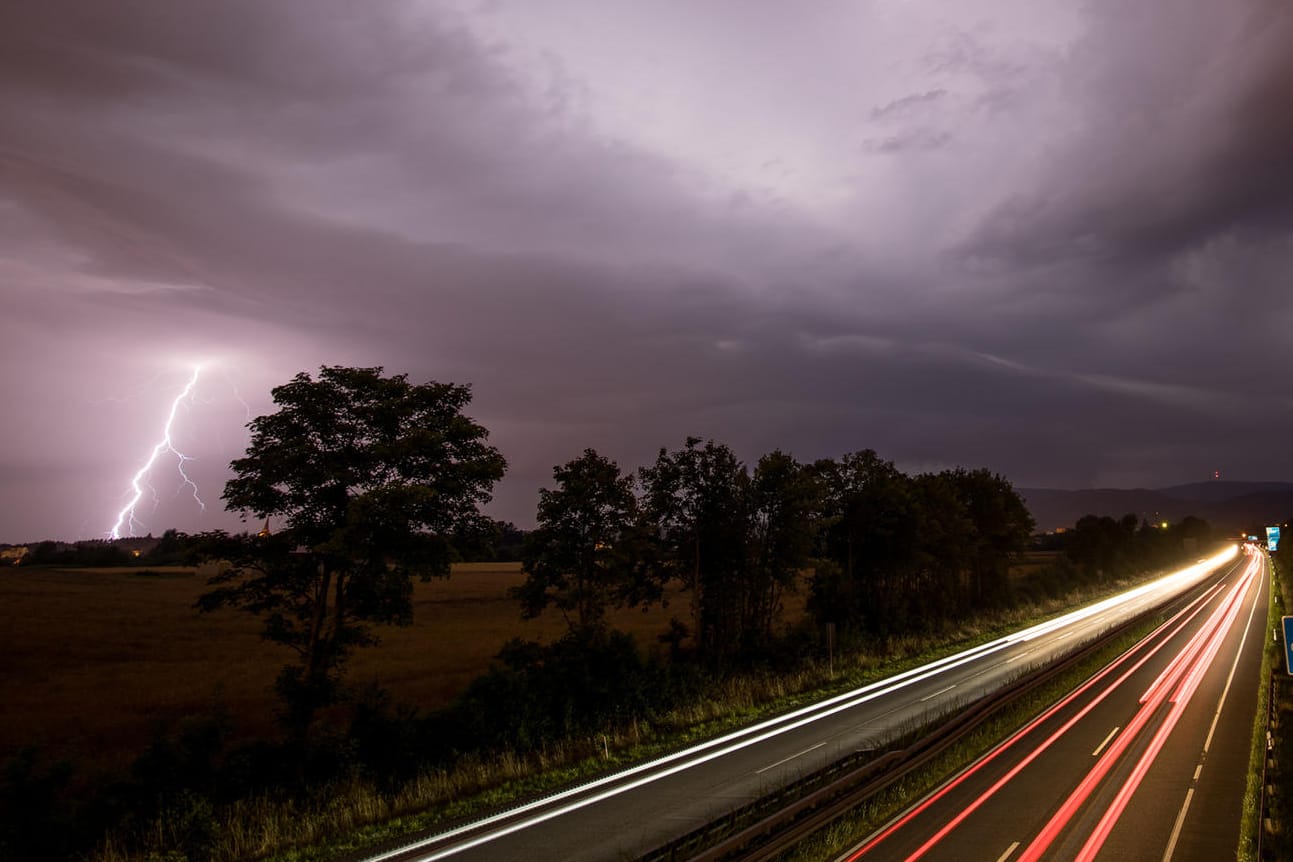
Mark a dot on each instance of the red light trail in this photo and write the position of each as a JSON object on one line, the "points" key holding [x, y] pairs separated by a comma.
{"points": [[1173, 686]]}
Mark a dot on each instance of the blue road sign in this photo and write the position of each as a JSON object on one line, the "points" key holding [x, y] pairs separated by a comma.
{"points": [[1272, 538], [1288, 643]]}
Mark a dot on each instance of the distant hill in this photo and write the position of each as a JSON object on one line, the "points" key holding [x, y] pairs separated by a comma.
{"points": [[1225, 490], [1226, 505]]}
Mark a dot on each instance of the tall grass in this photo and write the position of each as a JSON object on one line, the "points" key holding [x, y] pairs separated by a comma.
{"points": [[879, 809], [1252, 825], [353, 813]]}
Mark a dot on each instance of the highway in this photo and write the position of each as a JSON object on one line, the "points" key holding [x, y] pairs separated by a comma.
{"points": [[628, 813], [1147, 760]]}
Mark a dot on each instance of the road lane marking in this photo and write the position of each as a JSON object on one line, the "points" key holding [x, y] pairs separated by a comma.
{"points": [[1202, 652], [1164, 633], [1011, 849], [495, 826], [688, 758], [1176, 830], [886, 713], [788, 759], [1197, 770], [1196, 656], [937, 693], [1207, 743], [1099, 748]]}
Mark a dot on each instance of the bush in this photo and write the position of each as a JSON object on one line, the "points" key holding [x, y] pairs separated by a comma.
{"points": [[534, 695], [36, 817]]}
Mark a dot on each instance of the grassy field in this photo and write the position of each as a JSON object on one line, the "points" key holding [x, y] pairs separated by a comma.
{"points": [[93, 660]]}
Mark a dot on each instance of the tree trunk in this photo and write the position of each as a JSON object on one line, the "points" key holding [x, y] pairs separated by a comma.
{"points": [[312, 646]]}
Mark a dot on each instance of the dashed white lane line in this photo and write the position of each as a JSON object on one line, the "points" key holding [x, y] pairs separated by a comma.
{"points": [[1099, 748], [1176, 829], [937, 693], [788, 759]]}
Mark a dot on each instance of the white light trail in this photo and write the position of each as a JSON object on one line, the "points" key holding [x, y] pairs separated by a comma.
{"points": [[126, 517], [1130, 601]]}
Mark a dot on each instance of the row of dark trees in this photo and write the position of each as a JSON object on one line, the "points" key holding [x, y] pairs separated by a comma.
{"points": [[97, 553], [372, 480], [882, 552], [484, 540], [1104, 548]]}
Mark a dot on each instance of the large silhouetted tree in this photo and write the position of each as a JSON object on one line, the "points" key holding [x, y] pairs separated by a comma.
{"points": [[364, 477]]}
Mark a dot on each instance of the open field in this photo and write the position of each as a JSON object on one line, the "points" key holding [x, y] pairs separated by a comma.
{"points": [[92, 660]]}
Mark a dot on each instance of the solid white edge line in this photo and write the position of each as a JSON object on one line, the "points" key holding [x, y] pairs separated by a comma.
{"points": [[863, 694], [1225, 692], [884, 686], [1189, 794]]}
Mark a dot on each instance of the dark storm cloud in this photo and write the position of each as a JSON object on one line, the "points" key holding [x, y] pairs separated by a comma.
{"points": [[1015, 251], [916, 139], [1160, 228], [1188, 138], [907, 105]]}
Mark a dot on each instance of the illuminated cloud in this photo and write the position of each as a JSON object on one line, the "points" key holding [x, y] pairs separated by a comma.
{"points": [[983, 234]]}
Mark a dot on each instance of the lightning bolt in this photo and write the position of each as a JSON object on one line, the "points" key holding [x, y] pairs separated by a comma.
{"points": [[246, 408], [126, 517]]}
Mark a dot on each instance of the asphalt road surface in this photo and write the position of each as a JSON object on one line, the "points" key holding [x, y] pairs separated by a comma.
{"points": [[628, 813], [1148, 760]]}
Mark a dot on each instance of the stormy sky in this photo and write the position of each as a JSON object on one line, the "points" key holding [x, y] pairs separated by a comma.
{"points": [[1046, 237]]}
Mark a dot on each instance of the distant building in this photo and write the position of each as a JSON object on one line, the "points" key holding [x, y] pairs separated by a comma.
{"points": [[137, 546], [13, 556]]}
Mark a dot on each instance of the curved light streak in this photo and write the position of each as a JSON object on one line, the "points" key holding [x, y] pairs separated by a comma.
{"points": [[723, 745]]}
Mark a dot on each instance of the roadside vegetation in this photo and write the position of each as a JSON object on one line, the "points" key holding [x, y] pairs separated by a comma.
{"points": [[876, 811], [767, 585], [1267, 826]]}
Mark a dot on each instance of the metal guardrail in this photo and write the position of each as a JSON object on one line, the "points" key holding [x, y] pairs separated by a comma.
{"points": [[1262, 802], [771, 834], [762, 839]]}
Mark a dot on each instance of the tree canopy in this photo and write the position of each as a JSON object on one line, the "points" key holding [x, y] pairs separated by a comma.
{"points": [[696, 500], [584, 552], [364, 477]]}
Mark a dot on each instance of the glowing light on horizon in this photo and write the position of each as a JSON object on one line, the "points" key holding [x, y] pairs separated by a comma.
{"points": [[126, 517], [492, 827]]}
